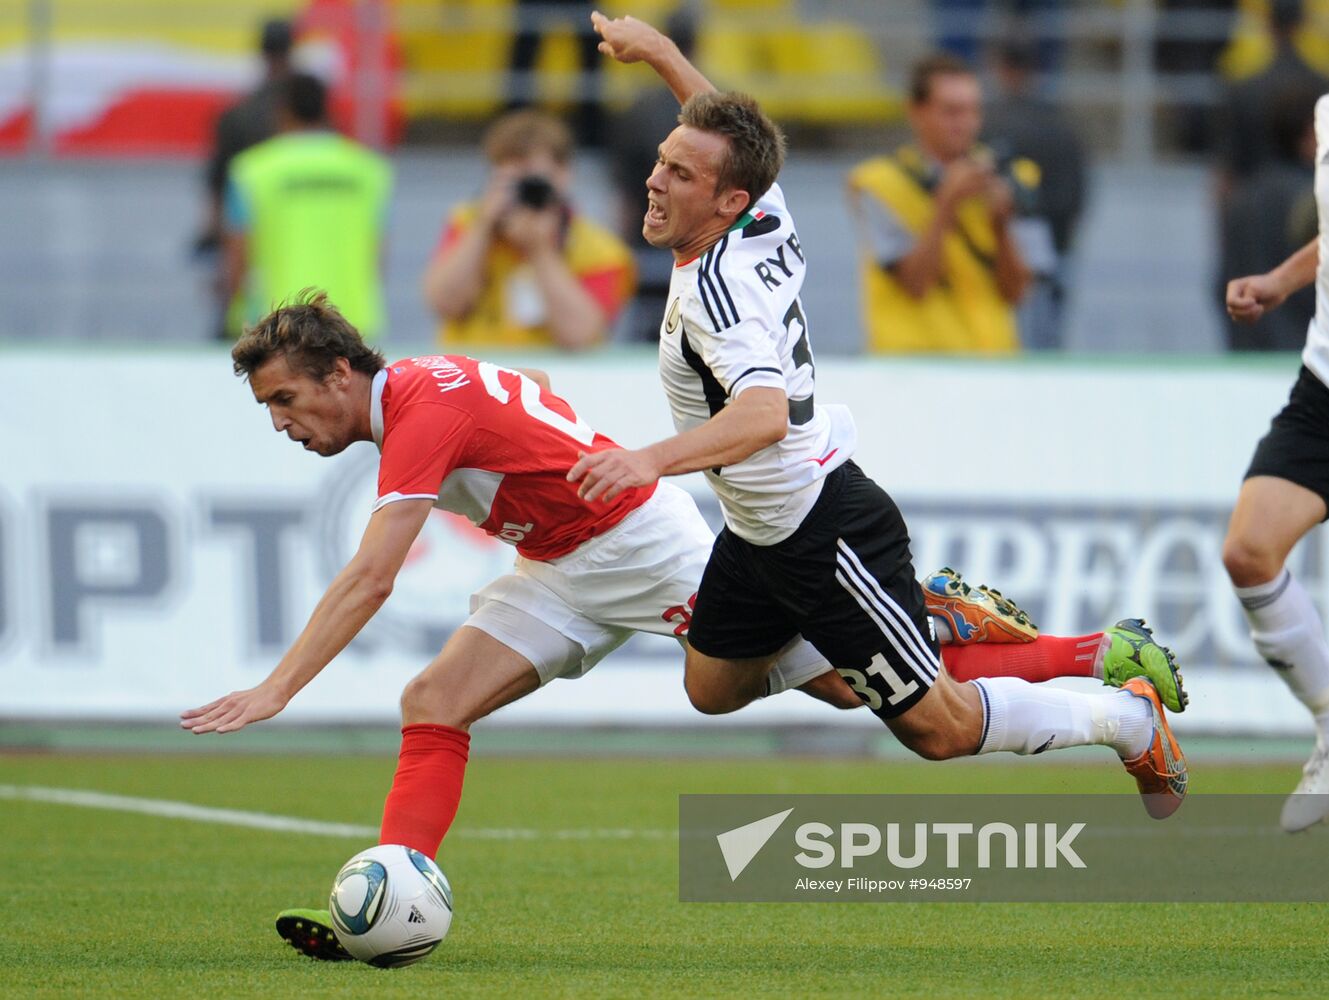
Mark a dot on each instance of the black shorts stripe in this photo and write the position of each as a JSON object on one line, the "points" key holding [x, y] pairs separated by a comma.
{"points": [[890, 635], [887, 605]]}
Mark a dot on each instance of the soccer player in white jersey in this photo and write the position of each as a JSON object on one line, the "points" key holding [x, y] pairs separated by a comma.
{"points": [[811, 546], [1286, 493]]}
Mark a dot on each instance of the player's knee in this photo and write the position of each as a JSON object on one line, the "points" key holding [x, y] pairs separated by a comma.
{"points": [[423, 701], [711, 699], [1249, 563]]}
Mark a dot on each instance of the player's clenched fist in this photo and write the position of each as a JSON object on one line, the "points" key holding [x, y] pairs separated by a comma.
{"points": [[606, 474], [627, 39], [1251, 297]]}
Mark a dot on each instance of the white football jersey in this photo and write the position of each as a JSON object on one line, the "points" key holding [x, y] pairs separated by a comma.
{"points": [[1316, 355], [734, 322]]}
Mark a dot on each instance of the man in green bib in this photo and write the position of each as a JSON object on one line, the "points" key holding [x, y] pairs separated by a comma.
{"points": [[306, 208], [941, 267]]}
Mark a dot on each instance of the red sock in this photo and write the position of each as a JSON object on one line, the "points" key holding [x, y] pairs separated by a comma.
{"points": [[427, 787], [1046, 657]]}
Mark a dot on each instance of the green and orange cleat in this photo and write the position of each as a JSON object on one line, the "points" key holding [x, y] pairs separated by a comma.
{"points": [[1160, 771], [1133, 652]]}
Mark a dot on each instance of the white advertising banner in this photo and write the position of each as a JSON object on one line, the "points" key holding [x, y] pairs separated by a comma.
{"points": [[160, 545]]}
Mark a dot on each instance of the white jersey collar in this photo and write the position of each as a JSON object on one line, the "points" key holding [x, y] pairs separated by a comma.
{"points": [[376, 406]]}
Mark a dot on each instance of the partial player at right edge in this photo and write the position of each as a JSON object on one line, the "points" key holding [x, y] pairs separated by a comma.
{"points": [[1285, 494]]}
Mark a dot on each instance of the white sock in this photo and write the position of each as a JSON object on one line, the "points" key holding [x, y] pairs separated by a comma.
{"points": [[943, 628], [1029, 718], [1289, 634]]}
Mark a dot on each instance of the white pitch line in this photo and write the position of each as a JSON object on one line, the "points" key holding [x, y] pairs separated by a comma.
{"points": [[290, 824]]}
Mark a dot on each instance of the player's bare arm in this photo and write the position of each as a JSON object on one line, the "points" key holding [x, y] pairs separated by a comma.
{"points": [[358, 591], [1251, 297], [629, 40], [755, 420]]}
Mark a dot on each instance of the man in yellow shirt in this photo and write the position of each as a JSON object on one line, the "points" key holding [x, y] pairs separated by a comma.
{"points": [[520, 267], [307, 208], [941, 268]]}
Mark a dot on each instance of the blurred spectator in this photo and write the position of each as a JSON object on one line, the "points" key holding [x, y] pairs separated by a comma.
{"points": [[250, 120], [533, 20], [520, 266], [1192, 54], [961, 25], [1019, 124], [1245, 138], [308, 207], [1269, 217], [941, 270], [634, 146]]}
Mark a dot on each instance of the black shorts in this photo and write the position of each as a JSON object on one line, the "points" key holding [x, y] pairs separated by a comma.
{"points": [[844, 580], [1297, 445]]}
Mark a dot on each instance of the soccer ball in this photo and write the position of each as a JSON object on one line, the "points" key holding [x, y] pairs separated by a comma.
{"points": [[391, 906]]}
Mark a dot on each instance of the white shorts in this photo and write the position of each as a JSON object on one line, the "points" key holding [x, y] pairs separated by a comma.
{"points": [[566, 614], [636, 577]]}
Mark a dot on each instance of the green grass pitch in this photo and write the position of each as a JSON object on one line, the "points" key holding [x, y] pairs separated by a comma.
{"points": [[114, 904]]}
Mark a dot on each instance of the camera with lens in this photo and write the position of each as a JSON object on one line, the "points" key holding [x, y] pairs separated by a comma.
{"points": [[1020, 172], [536, 192]]}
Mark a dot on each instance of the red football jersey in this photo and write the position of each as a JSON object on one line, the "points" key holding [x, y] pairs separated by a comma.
{"points": [[488, 443]]}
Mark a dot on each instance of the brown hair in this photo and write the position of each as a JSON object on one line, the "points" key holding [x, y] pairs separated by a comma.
{"points": [[938, 64], [756, 144], [520, 133], [311, 334]]}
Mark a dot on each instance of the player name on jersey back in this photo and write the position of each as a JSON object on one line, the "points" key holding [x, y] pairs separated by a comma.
{"points": [[734, 322]]}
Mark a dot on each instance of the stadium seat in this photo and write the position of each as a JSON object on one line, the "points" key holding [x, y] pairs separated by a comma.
{"points": [[1251, 48]]}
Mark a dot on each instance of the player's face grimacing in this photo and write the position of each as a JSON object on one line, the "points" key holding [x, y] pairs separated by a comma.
{"points": [[685, 210], [316, 414]]}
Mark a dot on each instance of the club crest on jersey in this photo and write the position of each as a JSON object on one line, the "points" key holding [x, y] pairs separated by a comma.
{"points": [[671, 320]]}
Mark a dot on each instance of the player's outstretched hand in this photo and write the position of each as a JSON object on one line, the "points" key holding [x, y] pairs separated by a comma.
{"points": [[606, 474], [1251, 297], [235, 711], [625, 38]]}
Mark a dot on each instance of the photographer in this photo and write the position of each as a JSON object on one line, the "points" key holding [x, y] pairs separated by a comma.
{"points": [[942, 268], [520, 267]]}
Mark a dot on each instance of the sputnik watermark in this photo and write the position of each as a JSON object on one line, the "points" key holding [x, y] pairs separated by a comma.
{"points": [[989, 847]]}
